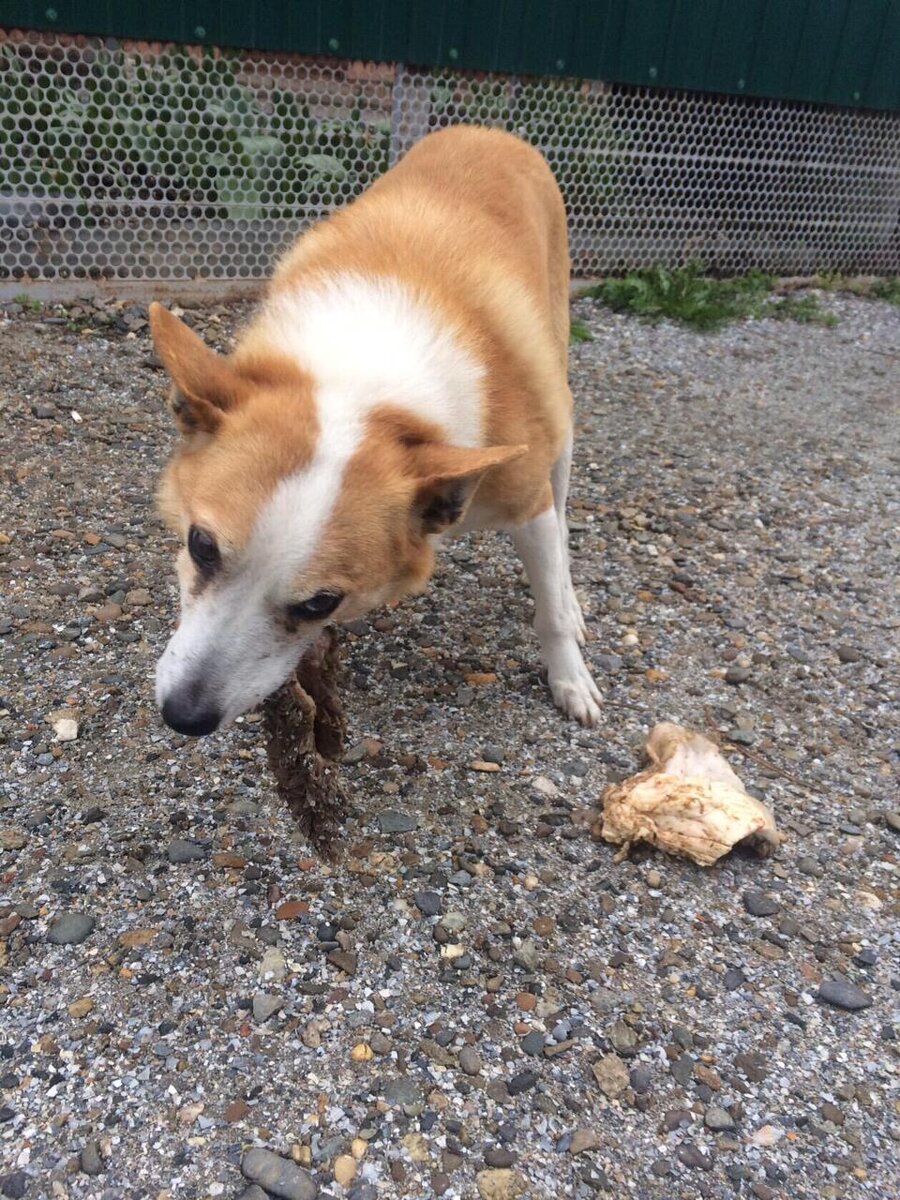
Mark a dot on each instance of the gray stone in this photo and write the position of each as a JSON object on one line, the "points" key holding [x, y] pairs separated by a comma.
{"points": [[717, 1117], [470, 1060], [758, 904], [356, 753], [500, 1157], [91, 1163], [181, 850], [533, 1043], [743, 737], [734, 978], [610, 663], [736, 675], [253, 1192], [400, 1091], [640, 1079], [809, 866], [392, 821], [71, 929], [692, 1157], [522, 1082], [526, 956], [14, 1185], [264, 1006], [428, 903], [278, 1176], [849, 654], [683, 1069], [842, 994]]}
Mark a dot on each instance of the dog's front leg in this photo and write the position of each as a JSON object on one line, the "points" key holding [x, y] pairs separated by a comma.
{"points": [[539, 546]]}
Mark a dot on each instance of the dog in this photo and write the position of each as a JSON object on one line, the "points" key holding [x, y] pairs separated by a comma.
{"points": [[404, 378]]}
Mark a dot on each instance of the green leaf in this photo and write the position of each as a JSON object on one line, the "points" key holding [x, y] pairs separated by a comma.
{"points": [[324, 166]]}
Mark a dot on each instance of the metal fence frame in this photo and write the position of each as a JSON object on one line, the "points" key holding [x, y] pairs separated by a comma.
{"points": [[148, 168]]}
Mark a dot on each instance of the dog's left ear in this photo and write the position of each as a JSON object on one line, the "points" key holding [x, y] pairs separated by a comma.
{"points": [[205, 384], [447, 476]]}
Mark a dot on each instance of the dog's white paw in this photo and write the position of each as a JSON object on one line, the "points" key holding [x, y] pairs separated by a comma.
{"points": [[578, 697]]}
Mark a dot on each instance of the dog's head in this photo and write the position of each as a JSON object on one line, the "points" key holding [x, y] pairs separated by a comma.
{"points": [[290, 517]]}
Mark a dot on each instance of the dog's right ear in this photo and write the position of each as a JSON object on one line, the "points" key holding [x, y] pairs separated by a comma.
{"points": [[204, 385]]}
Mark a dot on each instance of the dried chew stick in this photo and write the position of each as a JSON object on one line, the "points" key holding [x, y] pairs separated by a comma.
{"points": [[305, 726]]}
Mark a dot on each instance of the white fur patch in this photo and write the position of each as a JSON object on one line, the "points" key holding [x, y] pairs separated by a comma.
{"points": [[368, 342]]}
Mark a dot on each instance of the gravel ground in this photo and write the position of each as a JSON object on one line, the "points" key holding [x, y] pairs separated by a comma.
{"points": [[477, 1001]]}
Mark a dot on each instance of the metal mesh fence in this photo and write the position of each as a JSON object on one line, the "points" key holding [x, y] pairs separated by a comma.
{"points": [[155, 163]]}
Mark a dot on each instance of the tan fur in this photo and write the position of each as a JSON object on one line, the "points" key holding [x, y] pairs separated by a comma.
{"points": [[476, 223], [376, 521], [473, 222]]}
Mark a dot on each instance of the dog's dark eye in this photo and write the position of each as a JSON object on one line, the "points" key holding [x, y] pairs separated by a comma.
{"points": [[316, 608], [203, 550]]}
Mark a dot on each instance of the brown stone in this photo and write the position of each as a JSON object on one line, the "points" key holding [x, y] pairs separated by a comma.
{"points": [[236, 1111]]}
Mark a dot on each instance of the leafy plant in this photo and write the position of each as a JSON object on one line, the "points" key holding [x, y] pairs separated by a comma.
{"points": [[690, 297], [177, 136], [887, 289], [805, 309], [29, 302], [579, 332]]}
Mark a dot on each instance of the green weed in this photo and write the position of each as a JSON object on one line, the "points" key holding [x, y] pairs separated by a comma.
{"points": [[691, 298], [579, 332], [887, 289], [805, 309], [28, 302]]}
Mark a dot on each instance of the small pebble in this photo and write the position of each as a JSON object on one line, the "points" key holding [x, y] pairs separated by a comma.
{"points": [[758, 904], [428, 903], [71, 929], [849, 654], [470, 1060], [523, 1082], [91, 1163], [391, 821], [718, 1118], [842, 994], [265, 1006], [182, 851]]}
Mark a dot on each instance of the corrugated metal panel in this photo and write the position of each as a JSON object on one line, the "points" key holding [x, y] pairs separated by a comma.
{"points": [[828, 51]]}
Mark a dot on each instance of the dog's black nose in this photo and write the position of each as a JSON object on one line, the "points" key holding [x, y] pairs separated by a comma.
{"points": [[184, 715]]}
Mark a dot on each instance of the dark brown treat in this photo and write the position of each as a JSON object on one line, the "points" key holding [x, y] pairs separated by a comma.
{"points": [[305, 726], [317, 674]]}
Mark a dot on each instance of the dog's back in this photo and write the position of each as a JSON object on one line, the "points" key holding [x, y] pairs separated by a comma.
{"points": [[473, 222]]}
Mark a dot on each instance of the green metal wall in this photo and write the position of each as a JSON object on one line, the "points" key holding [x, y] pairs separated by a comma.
{"points": [[843, 52]]}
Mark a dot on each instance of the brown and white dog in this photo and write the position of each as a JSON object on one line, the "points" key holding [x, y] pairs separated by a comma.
{"points": [[405, 376]]}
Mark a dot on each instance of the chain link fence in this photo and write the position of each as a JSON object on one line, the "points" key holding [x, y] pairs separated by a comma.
{"points": [[145, 165]]}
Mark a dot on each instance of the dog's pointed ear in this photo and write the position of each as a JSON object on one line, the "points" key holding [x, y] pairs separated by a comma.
{"points": [[446, 478], [204, 385]]}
